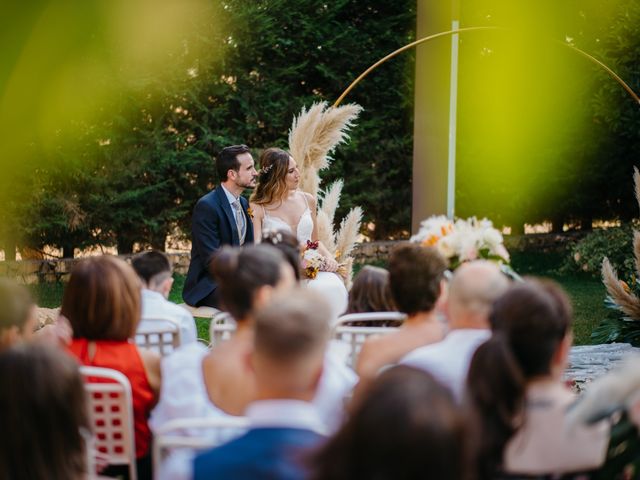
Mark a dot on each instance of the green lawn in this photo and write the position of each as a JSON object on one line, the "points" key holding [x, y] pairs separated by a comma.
{"points": [[587, 293]]}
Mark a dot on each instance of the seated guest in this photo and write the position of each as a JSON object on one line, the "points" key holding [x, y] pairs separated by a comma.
{"points": [[291, 336], [202, 383], [288, 244], [406, 426], [19, 319], [197, 382], [472, 290], [43, 415], [516, 390], [416, 277], [18, 314], [370, 291], [102, 303], [154, 270]]}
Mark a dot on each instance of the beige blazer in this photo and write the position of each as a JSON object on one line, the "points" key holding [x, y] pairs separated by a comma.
{"points": [[545, 445]]}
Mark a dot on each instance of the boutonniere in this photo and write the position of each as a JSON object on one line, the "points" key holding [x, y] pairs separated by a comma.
{"points": [[250, 212]]}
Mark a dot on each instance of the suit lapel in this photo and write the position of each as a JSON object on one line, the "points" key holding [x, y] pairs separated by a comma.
{"points": [[224, 202]]}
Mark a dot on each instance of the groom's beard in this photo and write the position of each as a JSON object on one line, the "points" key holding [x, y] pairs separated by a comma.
{"points": [[247, 185]]}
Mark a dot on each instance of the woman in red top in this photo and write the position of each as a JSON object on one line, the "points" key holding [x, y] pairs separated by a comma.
{"points": [[102, 303]]}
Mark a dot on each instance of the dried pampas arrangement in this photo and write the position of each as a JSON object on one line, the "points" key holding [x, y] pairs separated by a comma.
{"points": [[314, 135], [619, 292]]}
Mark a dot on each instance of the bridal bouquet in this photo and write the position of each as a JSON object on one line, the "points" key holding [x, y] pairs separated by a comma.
{"points": [[461, 241], [313, 262]]}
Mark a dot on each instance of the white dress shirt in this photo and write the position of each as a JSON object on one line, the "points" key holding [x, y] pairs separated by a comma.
{"points": [[155, 307], [448, 360], [285, 414]]}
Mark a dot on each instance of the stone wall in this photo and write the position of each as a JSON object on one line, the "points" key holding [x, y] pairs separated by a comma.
{"points": [[36, 271]]}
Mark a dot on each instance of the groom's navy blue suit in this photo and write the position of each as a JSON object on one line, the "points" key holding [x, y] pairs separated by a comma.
{"points": [[212, 226]]}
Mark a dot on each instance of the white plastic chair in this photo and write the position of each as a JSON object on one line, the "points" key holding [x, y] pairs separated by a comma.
{"points": [[160, 334], [194, 434], [356, 336], [370, 317], [111, 411], [221, 328]]}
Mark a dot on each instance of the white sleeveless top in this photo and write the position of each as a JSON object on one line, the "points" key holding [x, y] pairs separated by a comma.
{"points": [[304, 229]]}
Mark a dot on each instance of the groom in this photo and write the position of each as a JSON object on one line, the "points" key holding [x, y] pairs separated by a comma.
{"points": [[219, 218]]}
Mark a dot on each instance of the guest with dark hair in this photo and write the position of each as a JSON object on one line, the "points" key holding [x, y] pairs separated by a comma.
{"points": [[517, 394], [18, 319], [405, 426], [43, 413], [102, 303], [154, 270], [221, 217], [370, 291], [288, 244], [416, 278], [287, 357], [198, 382], [472, 290]]}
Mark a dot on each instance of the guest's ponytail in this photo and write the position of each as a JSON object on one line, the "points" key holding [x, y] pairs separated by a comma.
{"points": [[495, 388], [529, 322]]}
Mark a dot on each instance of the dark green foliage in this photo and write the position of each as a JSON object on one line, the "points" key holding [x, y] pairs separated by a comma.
{"points": [[137, 171], [614, 243]]}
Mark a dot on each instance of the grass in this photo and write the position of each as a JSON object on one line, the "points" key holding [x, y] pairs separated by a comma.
{"points": [[587, 293]]}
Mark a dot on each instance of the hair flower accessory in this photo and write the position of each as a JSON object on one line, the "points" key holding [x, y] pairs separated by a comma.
{"points": [[266, 170]]}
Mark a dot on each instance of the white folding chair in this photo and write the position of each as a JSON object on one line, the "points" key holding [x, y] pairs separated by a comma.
{"points": [[194, 434], [374, 318], [111, 410], [356, 336], [221, 328], [160, 334]]}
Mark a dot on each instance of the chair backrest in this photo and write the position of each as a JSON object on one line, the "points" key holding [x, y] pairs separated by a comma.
{"points": [[194, 434], [160, 334], [221, 328], [200, 312], [372, 318], [356, 336], [111, 410]]}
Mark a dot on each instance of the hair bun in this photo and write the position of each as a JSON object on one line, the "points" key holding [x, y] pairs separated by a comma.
{"points": [[224, 263]]}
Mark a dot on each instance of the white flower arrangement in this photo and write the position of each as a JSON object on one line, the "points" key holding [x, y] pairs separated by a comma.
{"points": [[461, 240]]}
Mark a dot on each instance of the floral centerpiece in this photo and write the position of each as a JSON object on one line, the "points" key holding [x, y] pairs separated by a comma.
{"points": [[461, 240]]}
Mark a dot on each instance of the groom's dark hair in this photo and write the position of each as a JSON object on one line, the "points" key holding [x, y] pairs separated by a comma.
{"points": [[228, 160]]}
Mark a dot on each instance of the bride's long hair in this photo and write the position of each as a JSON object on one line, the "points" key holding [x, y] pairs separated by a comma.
{"points": [[272, 185]]}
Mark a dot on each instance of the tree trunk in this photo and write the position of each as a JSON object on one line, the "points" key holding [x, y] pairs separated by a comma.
{"points": [[9, 251], [68, 251], [125, 246], [586, 223], [557, 224], [158, 242], [517, 229]]}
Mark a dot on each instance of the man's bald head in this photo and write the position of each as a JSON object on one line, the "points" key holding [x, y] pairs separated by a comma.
{"points": [[472, 290]]}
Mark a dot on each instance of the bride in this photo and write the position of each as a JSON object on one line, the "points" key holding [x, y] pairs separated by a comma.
{"points": [[277, 204]]}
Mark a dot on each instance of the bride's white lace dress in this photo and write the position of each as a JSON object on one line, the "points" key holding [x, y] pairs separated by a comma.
{"points": [[326, 283]]}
